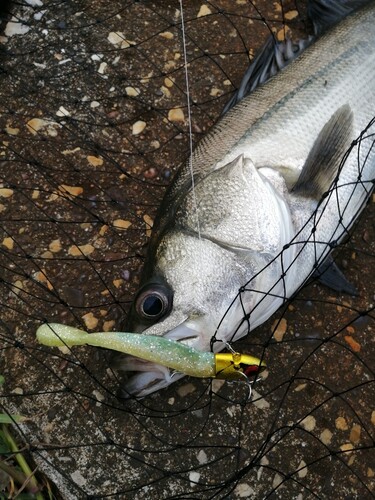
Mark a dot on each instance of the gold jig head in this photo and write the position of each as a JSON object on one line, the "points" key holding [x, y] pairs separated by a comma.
{"points": [[234, 366]]}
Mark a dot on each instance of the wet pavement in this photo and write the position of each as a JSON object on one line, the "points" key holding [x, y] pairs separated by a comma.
{"points": [[93, 124]]}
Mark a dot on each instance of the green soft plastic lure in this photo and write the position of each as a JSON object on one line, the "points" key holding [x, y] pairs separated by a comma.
{"points": [[166, 352]]}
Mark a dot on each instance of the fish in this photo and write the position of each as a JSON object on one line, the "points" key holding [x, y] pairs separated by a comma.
{"points": [[277, 184]]}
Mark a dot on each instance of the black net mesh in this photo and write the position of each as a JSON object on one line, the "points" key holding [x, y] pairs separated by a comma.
{"points": [[93, 125]]}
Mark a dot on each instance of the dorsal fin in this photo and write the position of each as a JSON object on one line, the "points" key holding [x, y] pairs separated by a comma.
{"points": [[272, 58], [326, 13], [324, 159]]}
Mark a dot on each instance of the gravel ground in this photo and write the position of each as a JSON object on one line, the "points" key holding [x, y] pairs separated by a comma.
{"points": [[93, 124]]}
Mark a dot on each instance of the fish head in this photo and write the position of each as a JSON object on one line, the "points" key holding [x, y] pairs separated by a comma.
{"points": [[194, 292], [184, 301]]}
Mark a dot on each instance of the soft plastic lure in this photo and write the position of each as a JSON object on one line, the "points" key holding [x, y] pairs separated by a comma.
{"points": [[166, 352]]}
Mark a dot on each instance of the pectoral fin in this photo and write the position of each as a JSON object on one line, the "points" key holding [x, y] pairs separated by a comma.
{"points": [[326, 155], [329, 274]]}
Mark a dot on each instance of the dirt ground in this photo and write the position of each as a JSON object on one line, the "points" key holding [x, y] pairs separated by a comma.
{"points": [[93, 123]]}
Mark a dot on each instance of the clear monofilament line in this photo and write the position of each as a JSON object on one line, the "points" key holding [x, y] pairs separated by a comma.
{"points": [[191, 167]]}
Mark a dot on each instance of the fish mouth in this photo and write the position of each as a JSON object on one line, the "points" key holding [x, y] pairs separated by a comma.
{"points": [[142, 377]]}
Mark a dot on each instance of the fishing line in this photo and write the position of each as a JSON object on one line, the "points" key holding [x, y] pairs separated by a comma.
{"points": [[190, 160]]}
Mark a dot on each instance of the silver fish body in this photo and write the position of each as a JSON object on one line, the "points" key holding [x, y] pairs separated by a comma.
{"points": [[271, 199]]}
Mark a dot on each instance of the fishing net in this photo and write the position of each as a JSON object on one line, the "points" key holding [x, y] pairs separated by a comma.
{"points": [[94, 123]]}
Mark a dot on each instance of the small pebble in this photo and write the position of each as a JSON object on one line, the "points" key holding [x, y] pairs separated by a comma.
{"points": [[168, 82], [149, 223], [341, 424], [194, 478], [98, 395], [138, 127], [8, 242], [102, 68], [204, 11], [72, 190], [217, 384], [125, 273], [79, 250], [62, 112], [121, 224], [279, 329], [117, 283], [95, 161], [55, 246], [11, 130], [202, 457], [309, 423], [176, 115], [166, 34], [90, 321], [244, 490], [354, 345], [347, 447], [6, 193], [186, 389], [259, 401], [132, 91], [291, 14], [150, 173], [355, 434], [302, 469], [277, 480], [78, 478], [326, 437], [118, 38]]}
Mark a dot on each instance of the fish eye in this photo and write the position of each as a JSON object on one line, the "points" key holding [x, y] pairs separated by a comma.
{"points": [[153, 301]]}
